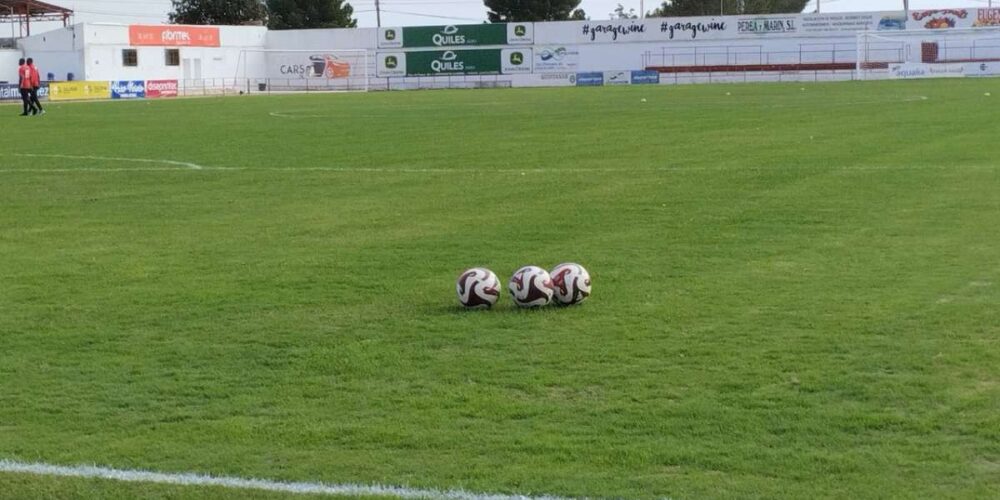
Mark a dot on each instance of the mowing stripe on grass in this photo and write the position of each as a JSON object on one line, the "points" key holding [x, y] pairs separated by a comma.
{"points": [[194, 479]]}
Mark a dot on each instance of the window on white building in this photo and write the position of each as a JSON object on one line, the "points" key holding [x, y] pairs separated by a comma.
{"points": [[173, 57], [130, 57]]}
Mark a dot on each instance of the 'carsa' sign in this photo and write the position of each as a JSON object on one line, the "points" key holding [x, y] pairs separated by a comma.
{"points": [[161, 88], [173, 36]]}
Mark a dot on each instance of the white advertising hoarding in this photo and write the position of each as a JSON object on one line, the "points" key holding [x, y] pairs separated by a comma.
{"points": [[668, 29]]}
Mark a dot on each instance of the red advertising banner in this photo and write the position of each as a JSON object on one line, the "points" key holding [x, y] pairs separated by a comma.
{"points": [[173, 36], [161, 88]]}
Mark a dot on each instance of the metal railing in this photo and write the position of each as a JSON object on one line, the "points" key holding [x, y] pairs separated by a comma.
{"points": [[758, 55]]}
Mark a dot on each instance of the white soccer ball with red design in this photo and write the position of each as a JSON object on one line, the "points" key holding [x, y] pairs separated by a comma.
{"points": [[531, 287], [570, 283], [478, 288]]}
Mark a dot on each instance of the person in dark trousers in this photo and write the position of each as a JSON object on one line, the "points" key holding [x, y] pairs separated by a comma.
{"points": [[24, 85], [36, 83]]}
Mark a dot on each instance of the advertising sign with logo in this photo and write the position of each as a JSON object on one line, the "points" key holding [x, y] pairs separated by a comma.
{"points": [[944, 19], [982, 69], [453, 62], [557, 79], [173, 36], [767, 25], [680, 29], [591, 79], [11, 91], [909, 71], [128, 89], [455, 35], [515, 61], [645, 77], [845, 23], [390, 64], [64, 91], [654, 30], [520, 33], [986, 18], [161, 88], [390, 38], [295, 65], [557, 59], [617, 77]]}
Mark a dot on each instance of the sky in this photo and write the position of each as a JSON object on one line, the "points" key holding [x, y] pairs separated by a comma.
{"points": [[434, 12]]}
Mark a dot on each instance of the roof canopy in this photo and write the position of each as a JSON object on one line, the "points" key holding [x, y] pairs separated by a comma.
{"points": [[23, 12]]}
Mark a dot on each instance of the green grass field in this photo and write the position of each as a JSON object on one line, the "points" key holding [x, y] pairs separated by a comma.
{"points": [[796, 291]]}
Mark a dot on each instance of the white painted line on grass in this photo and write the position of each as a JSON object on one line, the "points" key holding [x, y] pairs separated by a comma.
{"points": [[192, 166], [193, 479], [457, 171]]}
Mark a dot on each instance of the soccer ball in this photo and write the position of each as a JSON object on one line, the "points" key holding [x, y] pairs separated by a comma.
{"points": [[531, 287], [478, 288], [571, 283]]}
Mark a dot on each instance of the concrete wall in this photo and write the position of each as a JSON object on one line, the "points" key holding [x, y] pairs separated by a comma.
{"points": [[59, 52], [325, 39], [8, 65]]}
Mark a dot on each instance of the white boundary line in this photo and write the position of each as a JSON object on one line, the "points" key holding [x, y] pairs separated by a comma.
{"points": [[187, 167], [192, 166], [507, 171], [193, 479]]}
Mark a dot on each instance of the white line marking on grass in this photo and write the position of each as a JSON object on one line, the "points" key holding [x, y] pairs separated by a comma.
{"points": [[193, 479], [454, 171], [192, 166]]}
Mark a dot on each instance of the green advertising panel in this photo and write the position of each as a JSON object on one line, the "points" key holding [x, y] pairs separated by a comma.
{"points": [[453, 62], [455, 35]]}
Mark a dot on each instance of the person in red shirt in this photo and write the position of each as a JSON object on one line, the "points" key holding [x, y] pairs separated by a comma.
{"points": [[36, 83], [24, 85]]}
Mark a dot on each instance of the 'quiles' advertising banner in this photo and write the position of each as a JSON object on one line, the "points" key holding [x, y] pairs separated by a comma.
{"points": [[454, 62], [128, 89], [161, 88], [173, 36], [65, 91], [456, 35]]}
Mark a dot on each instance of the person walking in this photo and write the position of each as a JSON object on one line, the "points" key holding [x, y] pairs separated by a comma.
{"points": [[24, 85], [36, 83], [20, 84]]}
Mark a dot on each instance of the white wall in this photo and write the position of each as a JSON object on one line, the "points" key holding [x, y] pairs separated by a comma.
{"points": [[326, 39], [8, 65], [59, 52]]}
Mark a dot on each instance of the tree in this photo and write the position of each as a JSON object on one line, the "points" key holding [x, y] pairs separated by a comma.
{"points": [[619, 13], [727, 7], [229, 12], [508, 11], [304, 14]]}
